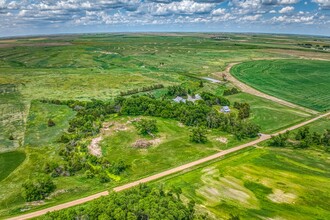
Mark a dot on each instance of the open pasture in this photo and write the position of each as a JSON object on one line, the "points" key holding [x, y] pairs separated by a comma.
{"points": [[261, 183], [270, 116], [171, 146], [303, 82], [38, 133], [9, 161]]}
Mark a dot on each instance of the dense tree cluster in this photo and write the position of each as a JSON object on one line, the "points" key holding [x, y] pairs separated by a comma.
{"points": [[87, 122], [38, 189], [303, 138], [211, 99], [189, 114], [176, 91], [140, 203], [143, 89], [231, 91], [91, 114]]}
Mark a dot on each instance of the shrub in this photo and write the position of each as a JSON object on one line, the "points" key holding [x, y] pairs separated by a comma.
{"points": [[38, 189], [198, 135], [146, 126], [50, 123]]}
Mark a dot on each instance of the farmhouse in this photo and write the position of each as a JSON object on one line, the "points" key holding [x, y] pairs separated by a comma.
{"points": [[195, 98], [179, 99], [225, 109]]}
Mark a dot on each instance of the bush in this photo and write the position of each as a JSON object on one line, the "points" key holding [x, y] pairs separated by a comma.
{"points": [[11, 137], [146, 126], [38, 189], [198, 135], [104, 178], [51, 123], [280, 140], [231, 91]]}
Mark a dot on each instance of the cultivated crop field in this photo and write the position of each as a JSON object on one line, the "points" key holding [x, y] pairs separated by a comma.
{"points": [[304, 82], [262, 183]]}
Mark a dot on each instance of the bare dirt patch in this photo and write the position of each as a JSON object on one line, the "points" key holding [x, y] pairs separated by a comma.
{"points": [[142, 143], [217, 189], [279, 196], [94, 148], [223, 140]]}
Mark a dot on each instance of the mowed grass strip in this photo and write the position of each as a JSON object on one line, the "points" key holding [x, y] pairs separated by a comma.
{"points": [[303, 82], [9, 161]]}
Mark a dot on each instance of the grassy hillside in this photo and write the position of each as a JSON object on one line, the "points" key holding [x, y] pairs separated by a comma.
{"points": [[304, 82]]}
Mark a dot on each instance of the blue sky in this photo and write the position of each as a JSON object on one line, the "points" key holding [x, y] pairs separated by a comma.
{"points": [[32, 17]]}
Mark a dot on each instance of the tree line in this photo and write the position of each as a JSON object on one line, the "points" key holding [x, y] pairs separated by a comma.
{"points": [[139, 203], [303, 138], [143, 89]]}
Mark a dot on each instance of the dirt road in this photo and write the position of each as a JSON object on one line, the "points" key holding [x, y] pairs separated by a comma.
{"points": [[163, 174], [248, 89]]}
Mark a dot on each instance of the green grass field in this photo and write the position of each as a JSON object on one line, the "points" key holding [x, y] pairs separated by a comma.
{"points": [[269, 115], [265, 183], [9, 161], [303, 82], [37, 132], [171, 147]]}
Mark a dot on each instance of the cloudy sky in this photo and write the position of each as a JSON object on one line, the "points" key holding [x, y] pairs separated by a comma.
{"points": [[28, 17]]}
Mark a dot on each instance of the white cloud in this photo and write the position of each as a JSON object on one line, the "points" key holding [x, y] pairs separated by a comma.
{"points": [[286, 9], [182, 7], [294, 19], [219, 11], [272, 11], [251, 17], [325, 4]]}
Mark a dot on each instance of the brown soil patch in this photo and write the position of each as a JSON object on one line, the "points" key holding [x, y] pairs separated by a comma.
{"points": [[223, 140], [142, 143], [279, 196], [94, 148]]}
